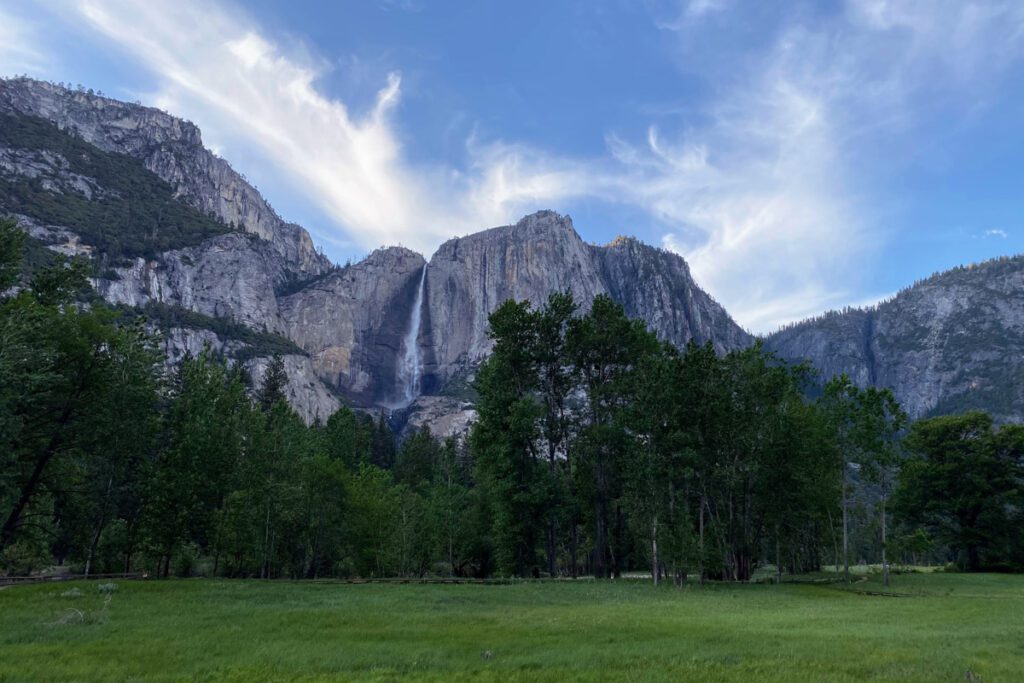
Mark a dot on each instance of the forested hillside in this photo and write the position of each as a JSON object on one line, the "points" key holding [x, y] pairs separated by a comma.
{"points": [[114, 203]]}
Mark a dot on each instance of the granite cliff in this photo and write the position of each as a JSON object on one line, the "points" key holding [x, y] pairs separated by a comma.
{"points": [[229, 273], [949, 343], [177, 234], [469, 277]]}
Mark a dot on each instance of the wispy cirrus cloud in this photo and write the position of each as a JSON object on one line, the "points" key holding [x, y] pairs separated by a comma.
{"points": [[760, 189], [768, 193]]}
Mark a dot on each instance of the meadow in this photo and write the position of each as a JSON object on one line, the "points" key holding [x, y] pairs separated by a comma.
{"points": [[935, 627]]}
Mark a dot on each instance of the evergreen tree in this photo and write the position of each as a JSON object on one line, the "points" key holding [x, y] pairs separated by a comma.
{"points": [[504, 439], [275, 380]]}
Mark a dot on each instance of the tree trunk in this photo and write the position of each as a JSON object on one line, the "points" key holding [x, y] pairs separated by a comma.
{"points": [[99, 527], [600, 532], [552, 568], [778, 557], [700, 548], [885, 561], [266, 546], [655, 570], [28, 490], [846, 530], [573, 549]]}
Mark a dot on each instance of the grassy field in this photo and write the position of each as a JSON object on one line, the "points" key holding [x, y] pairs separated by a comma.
{"points": [[247, 630]]}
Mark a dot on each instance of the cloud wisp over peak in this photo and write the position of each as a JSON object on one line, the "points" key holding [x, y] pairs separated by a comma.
{"points": [[764, 181]]}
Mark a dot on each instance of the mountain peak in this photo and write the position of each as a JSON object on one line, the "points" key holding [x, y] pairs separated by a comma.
{"points": [[172, 149]]}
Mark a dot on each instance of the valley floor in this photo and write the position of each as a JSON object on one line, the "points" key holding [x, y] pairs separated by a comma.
{"points": [[943, 626]]}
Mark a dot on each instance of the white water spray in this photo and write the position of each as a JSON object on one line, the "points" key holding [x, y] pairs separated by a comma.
{"points": [[410, 365]]}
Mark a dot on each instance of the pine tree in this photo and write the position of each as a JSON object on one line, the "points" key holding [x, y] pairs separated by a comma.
{"points": [[275, 379]]}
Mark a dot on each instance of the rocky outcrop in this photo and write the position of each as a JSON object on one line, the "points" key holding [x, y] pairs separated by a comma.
{"points": [[232, 276], [352, 323], [442, 415], [656, 286], [469, 277], [949, 343], [306, 393], [173, 150]]}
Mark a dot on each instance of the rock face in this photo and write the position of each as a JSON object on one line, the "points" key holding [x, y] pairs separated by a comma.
{"points": [[949, 343], [310, 397], [469, 277], [352, 323], [173, 150], [349, 329], [232, 276]]}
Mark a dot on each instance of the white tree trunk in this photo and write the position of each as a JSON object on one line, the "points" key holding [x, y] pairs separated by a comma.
{"points": [[655, 570]]}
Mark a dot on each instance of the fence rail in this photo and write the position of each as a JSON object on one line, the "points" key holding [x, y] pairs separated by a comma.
{"points": [[56, 578]]}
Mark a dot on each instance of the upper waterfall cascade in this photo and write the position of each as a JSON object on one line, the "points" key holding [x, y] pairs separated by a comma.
{"points": [[410, 364]]}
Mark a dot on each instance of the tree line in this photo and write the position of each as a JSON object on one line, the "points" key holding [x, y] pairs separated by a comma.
{"points": [[597, 450]]}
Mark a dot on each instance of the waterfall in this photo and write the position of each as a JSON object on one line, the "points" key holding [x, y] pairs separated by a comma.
{"points": [[410, 365]]}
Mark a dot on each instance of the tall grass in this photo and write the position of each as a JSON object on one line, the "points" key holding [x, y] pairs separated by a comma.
{"points": [[249, 630]]}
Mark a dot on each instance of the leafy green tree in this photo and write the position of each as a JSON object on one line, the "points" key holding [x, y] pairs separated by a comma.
{"points": [[374, 525], [554, 386], [884, 420], [12, 242], [323, 510], [417, 460], [348, 437], [382, 443], [72, 382], [449, 506], [962, 482], [604, 347], [207, 431]]}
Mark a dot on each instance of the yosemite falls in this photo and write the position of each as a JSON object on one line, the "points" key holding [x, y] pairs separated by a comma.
{"points": [[410, 363]]}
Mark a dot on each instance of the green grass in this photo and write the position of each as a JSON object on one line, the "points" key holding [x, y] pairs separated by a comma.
{"points": [[210, 630]]}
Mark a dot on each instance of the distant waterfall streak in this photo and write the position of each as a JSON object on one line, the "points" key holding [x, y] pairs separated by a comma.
{"points": [[410, 365]]}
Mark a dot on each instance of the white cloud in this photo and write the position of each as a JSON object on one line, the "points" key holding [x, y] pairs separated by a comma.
{"points": [[996, 232], [759, 191], [19, 46], [217, 67], [767, 193]]}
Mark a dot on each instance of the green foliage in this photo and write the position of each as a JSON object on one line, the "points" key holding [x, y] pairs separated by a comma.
{"points": [[12, 242], [135, 213], [597, 450], [626, 453], [962, 482], [275, 380], [77, 401]]}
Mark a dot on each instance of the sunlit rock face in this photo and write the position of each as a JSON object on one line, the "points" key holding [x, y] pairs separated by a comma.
{"points": [[353, 322], [469, 277]]}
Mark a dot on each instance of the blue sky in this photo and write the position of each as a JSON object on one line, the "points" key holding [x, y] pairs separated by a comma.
{"points": [[801, 155]]}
